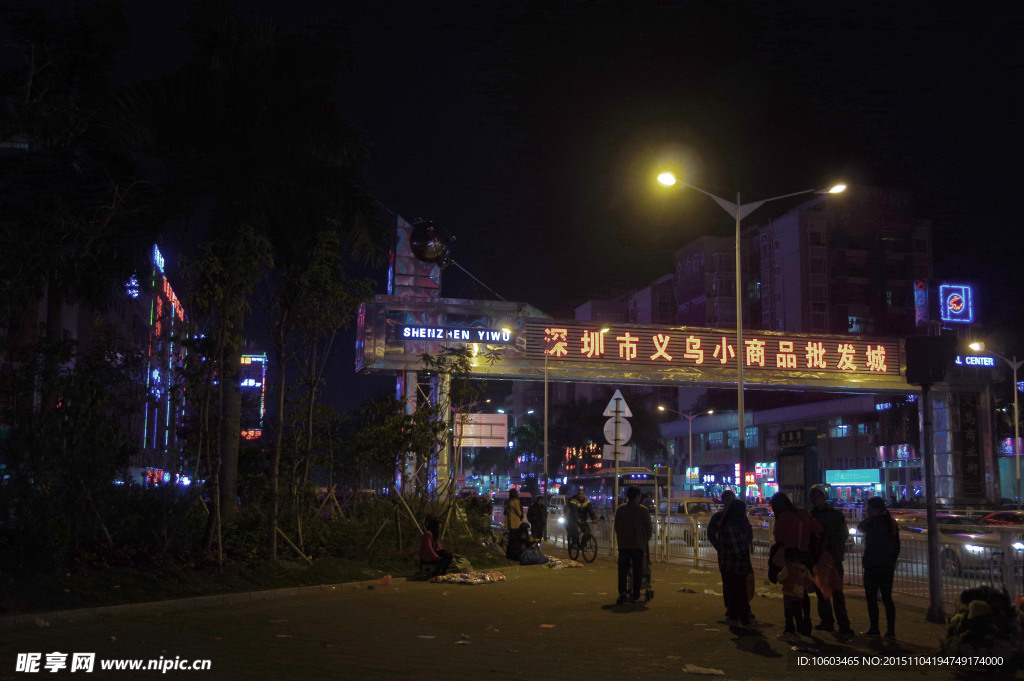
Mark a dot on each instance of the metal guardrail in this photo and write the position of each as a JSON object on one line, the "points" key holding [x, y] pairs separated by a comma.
{"points": [[963, 564]]}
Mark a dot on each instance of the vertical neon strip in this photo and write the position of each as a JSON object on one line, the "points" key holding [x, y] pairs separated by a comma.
{"points": [[149, 367], [263, 390]]}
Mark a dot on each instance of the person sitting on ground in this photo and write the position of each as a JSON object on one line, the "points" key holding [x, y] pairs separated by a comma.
{"points": [[431, 551], [519, 540]]}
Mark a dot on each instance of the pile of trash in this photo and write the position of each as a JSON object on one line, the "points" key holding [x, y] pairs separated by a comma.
{"points": [[559, 563], [468, 578], [986, 624]]}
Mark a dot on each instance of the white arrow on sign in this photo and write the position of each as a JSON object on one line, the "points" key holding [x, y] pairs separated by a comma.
{"points": [[618, 404], [625, 431]]}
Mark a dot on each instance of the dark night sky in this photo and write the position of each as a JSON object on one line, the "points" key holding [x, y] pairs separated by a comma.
{"points": [[530, 130]]}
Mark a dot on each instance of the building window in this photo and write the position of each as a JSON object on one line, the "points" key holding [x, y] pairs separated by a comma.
{"points": [[816, 238], [836, 427], [751, 436], [714, 440]]}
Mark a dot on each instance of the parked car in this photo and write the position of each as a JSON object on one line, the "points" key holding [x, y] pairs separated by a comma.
{"points": [[686, 514]]}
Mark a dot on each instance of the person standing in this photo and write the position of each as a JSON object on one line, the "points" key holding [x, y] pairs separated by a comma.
{"points": [[796, 529], [730, 533], [633, 532], [537, 514], [833, 542], [513, 511], [796, 580], [881, 536]]}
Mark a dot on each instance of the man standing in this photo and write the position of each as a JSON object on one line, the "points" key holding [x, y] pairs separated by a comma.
{"points": [[537, 514], [833, 542], [633, 531]]}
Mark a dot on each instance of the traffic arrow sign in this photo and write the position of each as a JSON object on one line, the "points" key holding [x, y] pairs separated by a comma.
{"points": [[618, 406]]}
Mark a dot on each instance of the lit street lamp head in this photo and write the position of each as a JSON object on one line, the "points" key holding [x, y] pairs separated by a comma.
{"points": [[668, 179]]}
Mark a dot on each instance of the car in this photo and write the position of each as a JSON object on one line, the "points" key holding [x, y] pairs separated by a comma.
{"points": [[686, 514], [964, 545], [1002, 518]]}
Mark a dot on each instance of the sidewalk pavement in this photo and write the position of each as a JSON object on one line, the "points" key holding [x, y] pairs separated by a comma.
{"points": [[539, 622]]}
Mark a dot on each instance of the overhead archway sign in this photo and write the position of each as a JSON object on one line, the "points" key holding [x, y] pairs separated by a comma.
{"points": [[515, 340]]}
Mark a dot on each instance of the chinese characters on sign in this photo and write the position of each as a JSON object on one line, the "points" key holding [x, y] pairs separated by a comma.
{"points": [[973, 466], [700, 348]]}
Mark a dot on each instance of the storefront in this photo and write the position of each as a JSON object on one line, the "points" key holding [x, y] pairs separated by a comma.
{"points": [[855, 485]]}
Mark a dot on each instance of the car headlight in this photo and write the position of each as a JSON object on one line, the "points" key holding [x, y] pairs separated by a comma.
{"points": [[973, 548], [1017, 545], [853, 531], [561, 521]]}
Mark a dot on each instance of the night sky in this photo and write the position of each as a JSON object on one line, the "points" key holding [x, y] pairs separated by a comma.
{"points": [[531, 131]]}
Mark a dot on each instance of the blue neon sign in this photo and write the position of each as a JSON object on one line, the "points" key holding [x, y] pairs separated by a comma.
{"points": [[956, 303]]}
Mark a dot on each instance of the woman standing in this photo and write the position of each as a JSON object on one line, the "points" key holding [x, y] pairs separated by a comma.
{"points": [[796, 529], [881, 551], [513, 511], [730, 533]]}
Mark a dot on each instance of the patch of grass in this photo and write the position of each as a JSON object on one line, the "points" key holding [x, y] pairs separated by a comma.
{"points": [[118, 585]]}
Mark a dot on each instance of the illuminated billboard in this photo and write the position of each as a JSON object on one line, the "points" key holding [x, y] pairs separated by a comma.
{"points": [[956, 303], [519, 341]]}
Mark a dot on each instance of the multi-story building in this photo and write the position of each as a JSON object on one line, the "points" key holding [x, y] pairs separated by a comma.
{"points": [[840, 263], [843, 263]]}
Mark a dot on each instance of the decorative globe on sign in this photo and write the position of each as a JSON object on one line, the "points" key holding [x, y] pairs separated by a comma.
{"points": [[426, 245]]}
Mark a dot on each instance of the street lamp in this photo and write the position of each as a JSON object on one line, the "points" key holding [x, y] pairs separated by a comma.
{"points": [[689, 419], [515, 421], [739, 211], [1014, 364]]}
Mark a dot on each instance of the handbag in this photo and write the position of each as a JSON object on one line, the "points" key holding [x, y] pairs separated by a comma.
{"points": [[826, 576], [532, 556]]}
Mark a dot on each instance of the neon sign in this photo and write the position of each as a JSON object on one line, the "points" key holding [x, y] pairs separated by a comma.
{"points": [[158, 259], [456, 334], [956, 302], [703, 348], [975, 361]]}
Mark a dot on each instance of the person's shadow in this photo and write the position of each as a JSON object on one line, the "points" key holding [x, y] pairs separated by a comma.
{"points": [[626, 608]]}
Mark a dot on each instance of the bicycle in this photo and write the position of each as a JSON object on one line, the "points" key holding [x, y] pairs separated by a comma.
{"points": [[585, 543], [500, 537]]}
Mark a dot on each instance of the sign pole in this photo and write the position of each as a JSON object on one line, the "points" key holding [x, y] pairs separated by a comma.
{"points": [[618, 414]]}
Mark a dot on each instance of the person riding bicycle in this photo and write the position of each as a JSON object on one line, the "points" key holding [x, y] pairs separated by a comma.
{"points": [[578, 511]]}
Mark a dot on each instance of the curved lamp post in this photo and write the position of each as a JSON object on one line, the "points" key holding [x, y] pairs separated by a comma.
{"points": [[1014, 364], [689, 418], [739, 211]]}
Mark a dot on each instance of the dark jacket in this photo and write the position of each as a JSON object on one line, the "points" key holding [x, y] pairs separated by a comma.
{"points": [[730, 533], [881, 537], [633, 528], [835, 532], [537, 514]]}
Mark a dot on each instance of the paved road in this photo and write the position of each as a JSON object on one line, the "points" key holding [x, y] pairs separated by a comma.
{"points": [[540, 623]]}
